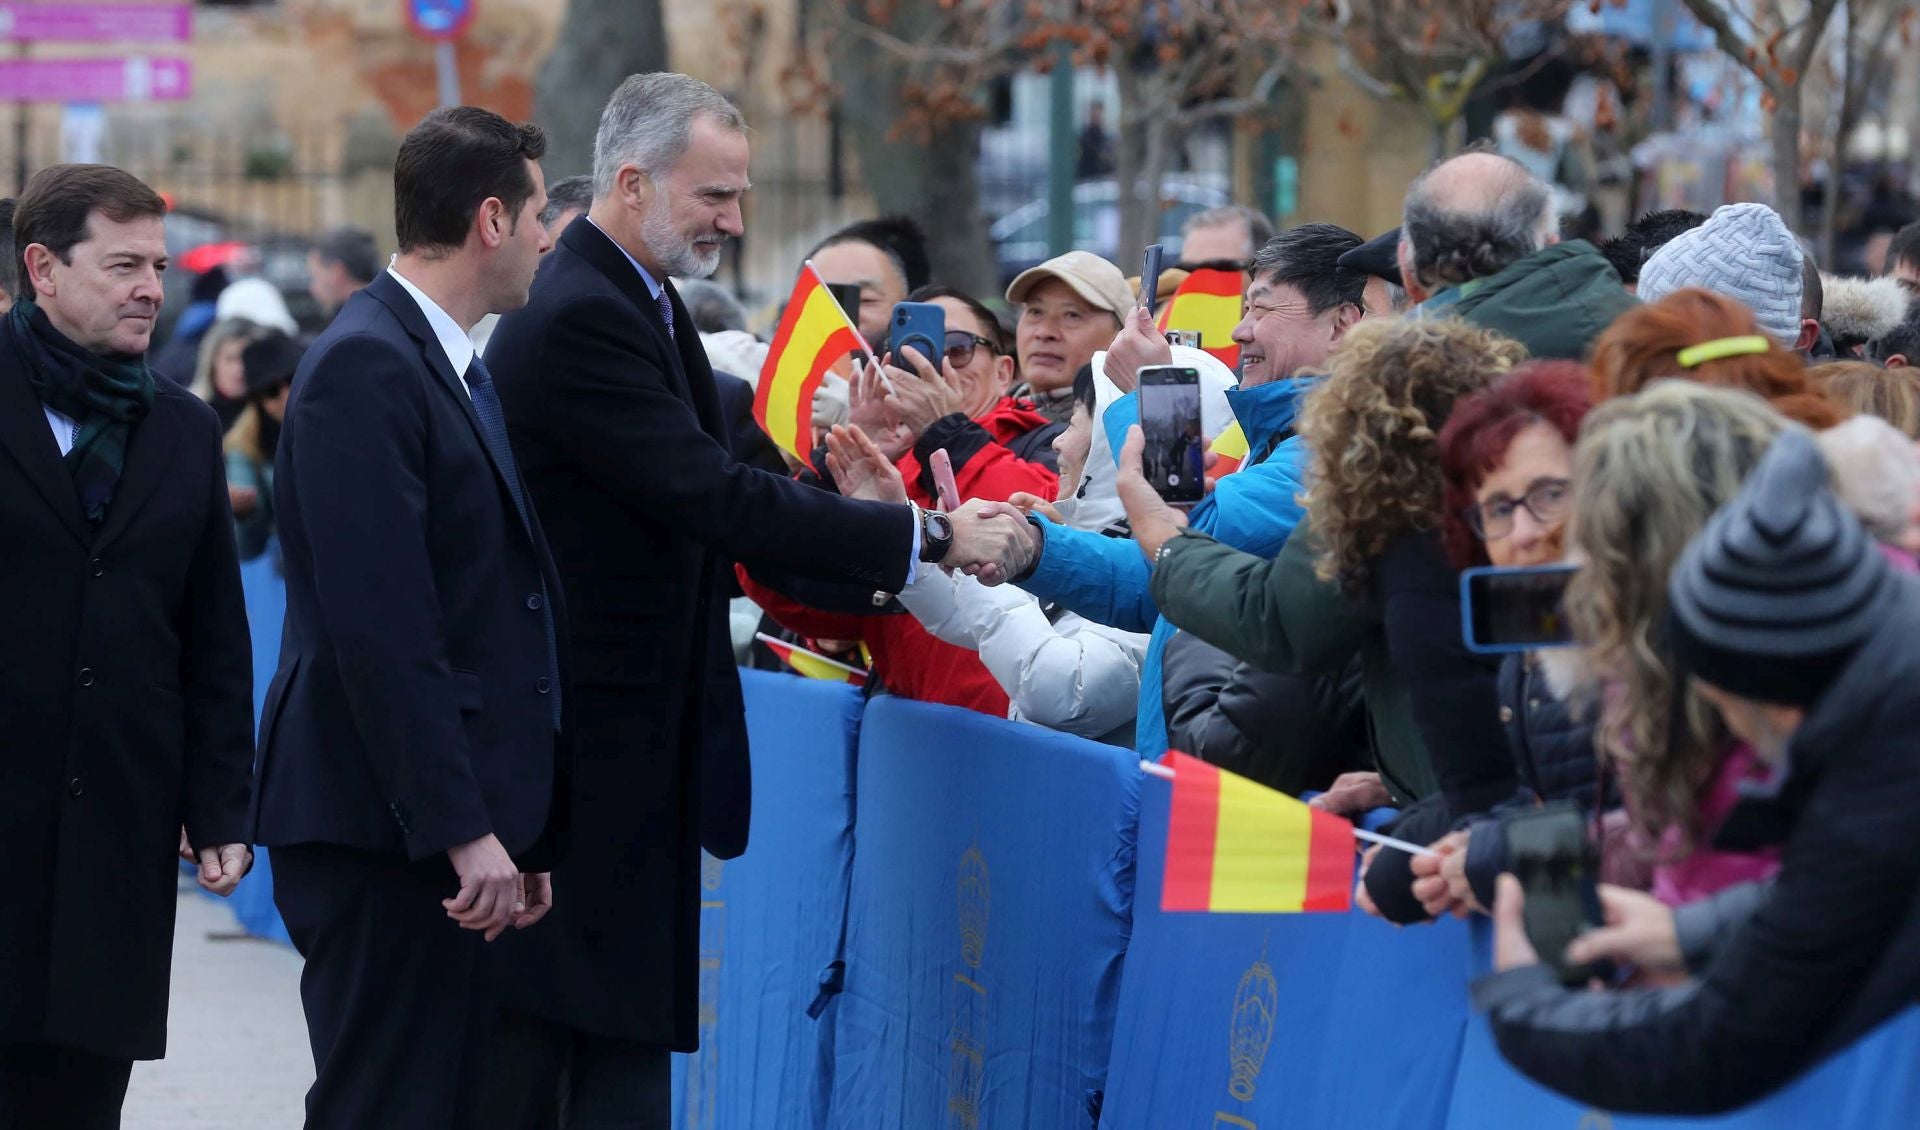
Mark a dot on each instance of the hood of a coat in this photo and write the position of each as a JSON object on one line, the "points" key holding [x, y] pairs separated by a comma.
{"points": [[1554, 302]]}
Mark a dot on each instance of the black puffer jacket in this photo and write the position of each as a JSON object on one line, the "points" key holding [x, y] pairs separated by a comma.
{"points": [[1290, 732], [1552, 751]]}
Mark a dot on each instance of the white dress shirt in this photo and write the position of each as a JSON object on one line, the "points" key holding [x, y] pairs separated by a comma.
{"points": [[453, 340], [63, 431]]}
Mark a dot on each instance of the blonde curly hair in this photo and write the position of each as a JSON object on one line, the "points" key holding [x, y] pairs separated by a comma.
{"points": [[1373, 426], [1649, 471]]}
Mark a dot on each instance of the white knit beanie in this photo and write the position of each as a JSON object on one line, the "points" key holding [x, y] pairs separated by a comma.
{"points": [[1743, 251]]}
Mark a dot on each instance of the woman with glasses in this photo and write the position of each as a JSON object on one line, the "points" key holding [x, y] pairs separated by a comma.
{"points": [[1507, 457]]}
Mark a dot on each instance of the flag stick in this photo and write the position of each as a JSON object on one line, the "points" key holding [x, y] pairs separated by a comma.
{"points": [[1164, 773], [865, 349], [767, 639]]}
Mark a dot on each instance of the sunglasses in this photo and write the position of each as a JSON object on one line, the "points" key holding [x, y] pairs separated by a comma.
{"points": [[960, 346]]}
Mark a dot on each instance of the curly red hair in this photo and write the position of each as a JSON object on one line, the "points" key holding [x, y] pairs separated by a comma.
{"points": [[1484, 425]]}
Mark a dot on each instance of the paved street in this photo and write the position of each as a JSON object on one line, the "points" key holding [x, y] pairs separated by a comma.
{"points": [[237, 1054]]}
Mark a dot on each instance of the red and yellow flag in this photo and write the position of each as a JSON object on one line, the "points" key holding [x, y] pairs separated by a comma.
{"points": [[814, 333], [1229, 449], [1237, 847], [1209, 301], [811, 663]]}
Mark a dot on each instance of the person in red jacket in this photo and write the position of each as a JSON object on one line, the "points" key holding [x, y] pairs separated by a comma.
{"points": [[999, 446]]}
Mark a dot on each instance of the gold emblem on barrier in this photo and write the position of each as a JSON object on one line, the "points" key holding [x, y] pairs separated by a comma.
{"points": [[1255, 1004], [967, 1062]]}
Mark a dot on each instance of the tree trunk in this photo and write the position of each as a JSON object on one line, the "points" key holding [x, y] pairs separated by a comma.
{"points": [[932, 178], [601, 43], [1139, 163], [1786, 157]]}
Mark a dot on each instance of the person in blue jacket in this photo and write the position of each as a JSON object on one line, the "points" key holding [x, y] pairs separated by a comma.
{"points": [[1300, 304]]}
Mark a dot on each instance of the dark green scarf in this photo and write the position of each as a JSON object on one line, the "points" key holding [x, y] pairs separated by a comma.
{"points": [[106, 395]]}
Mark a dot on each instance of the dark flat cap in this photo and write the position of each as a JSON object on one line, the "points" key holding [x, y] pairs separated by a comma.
{"points": [[1379, 257]]}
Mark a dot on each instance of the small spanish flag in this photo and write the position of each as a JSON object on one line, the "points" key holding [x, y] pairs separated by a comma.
{"points": [[1237, 847], [1229, 450], [1209, 301], [811, 663], [814, 333]]}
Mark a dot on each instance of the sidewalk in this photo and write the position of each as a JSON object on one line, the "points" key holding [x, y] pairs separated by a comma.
{"points": [[237, 1056]]}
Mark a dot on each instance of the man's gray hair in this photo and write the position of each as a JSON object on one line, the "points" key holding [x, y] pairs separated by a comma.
{"points": [[649, 121], [1511, 217], [712, 307], [1258, 226]]}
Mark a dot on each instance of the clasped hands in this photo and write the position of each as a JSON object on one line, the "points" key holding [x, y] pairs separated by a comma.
{"points": [[494, 893], [992, 541]]}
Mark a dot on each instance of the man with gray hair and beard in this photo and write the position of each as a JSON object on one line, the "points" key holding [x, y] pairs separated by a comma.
{"points": [[1479, 241], [611, 405]]}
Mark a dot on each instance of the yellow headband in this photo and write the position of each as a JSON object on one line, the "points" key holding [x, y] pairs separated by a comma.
{"points": [[1722, 347]]}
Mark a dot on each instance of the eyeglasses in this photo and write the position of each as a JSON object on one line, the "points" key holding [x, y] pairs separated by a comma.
{"points": [[1546, 500]]}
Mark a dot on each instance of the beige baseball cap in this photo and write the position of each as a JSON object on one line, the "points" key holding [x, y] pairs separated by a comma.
{"points": [[1091, 277]]}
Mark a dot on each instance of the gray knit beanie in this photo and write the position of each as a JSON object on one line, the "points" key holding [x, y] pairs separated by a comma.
{"points": [[1783, 585], [1743, 251]]}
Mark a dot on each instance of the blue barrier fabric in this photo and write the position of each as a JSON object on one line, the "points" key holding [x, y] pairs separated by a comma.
{"points": [[1293, 1020], [266, 593], [771, 921], [991, 894]]}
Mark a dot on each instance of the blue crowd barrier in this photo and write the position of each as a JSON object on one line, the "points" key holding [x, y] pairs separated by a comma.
{"points": [[988, 895], [771, 922], [1248, 1020], [991, 887]]}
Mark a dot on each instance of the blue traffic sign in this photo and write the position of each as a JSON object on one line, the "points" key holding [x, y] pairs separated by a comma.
{"points": [[440, 19]]}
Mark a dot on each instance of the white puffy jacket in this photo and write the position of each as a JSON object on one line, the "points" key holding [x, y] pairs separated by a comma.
{"points": [[1071, 674]]}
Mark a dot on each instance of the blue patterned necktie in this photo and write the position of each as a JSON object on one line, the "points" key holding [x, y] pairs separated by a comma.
{"points": [[666, 311], [493, 425]]}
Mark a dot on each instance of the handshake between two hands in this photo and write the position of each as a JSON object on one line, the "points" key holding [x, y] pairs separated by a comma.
{"points": [[992, 541]]}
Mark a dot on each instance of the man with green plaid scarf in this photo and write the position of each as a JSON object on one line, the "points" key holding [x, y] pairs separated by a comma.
{"points": [[126, 697]]}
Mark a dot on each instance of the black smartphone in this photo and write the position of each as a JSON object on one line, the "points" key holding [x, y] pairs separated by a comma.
{"points": [[1520, 609], [1549, 851], [848, 296], [1150, 276], [1176, 452]]}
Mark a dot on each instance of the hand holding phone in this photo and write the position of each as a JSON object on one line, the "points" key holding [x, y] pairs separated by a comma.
{"points": [[1549, 851], [1174, 458]]}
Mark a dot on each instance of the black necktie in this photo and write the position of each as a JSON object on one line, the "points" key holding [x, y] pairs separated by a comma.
{"points": [[493, 426]]}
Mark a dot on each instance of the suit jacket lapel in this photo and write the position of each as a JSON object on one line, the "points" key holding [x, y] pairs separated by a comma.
{"points": [[698, 370], [24, 434], [586, 240], [414, 320], [149, 452]]}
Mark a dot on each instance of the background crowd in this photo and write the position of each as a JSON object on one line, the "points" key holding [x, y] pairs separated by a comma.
{"points": [[1721, 437]]}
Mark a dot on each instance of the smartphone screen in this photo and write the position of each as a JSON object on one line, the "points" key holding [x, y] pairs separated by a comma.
{"points": [[1150, 276], [922, 326], [1175, 455], [1516, 609]]}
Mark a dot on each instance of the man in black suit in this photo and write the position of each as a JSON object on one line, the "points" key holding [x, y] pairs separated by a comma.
{"points": [[411, 773], [126, 677], [615, 415]]}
